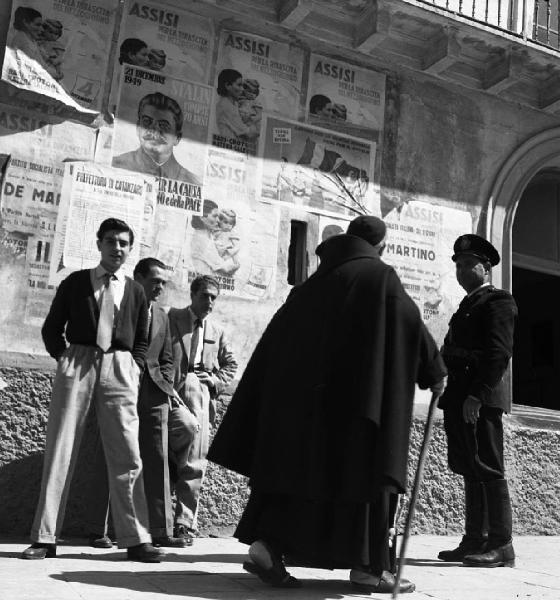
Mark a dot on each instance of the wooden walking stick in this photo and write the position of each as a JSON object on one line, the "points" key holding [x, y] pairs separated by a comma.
{"points": [[416, 489]]}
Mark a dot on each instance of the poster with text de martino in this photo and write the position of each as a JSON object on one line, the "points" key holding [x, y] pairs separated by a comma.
{"points": [[161, 130], [59, 48]]}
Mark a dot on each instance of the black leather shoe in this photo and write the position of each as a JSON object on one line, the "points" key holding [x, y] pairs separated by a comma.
{"points": [[171, 542], [466, 547], [384, 584], [183, 532], [502, 556], [38, 551], [100, 541], [144, 553]]}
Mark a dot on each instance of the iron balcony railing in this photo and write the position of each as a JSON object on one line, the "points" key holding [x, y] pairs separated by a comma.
{"points": [[537, 20]]}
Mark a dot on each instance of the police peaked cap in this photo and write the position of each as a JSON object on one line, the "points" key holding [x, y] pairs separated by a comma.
{"points": [[475, 245]]}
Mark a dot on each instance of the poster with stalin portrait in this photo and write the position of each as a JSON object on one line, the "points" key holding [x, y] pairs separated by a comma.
{"points": [[254, 76], [161, 130]]}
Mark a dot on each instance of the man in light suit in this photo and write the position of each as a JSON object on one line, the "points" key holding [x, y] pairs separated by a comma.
{"points": [[156, 388], [203, 366]]}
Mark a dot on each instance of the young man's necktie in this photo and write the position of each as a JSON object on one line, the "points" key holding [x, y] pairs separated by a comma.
{"points": [[106, 314]]}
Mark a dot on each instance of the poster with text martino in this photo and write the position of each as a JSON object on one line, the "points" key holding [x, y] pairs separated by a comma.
{"points": [[31, 135], [316, 169], [59, 48], [419, 245], [90, 194], [30, 195], [161, 130], [345, 97], [254, 76]]}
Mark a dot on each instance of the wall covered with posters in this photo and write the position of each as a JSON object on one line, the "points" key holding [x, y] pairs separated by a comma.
{"points": [[209, 139]]}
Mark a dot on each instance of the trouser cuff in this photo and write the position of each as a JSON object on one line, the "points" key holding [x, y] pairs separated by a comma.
{"points": [[128, 542]]}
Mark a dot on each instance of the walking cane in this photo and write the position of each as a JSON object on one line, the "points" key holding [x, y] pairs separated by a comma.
{"points": [[415, 489]]}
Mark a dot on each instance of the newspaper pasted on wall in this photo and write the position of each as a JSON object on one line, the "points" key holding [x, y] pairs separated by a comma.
{"points": [[345, 97], [161, 130], [167, 39], [90, 194], [254, 76], [58, 48], [316, 169], [419, 245]]}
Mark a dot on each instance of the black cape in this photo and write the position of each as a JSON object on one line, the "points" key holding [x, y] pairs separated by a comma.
{"points": [[324, 407]]}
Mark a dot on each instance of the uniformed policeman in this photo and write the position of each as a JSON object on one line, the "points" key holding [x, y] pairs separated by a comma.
{"points": [[476, 351]]}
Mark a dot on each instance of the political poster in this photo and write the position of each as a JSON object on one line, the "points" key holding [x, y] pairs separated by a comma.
{"points": [[90, 194], [33, 136], [345, 97], [230, 175], [30, 195], [316, 169], [161, 130], [167, 39], [58, 48], [235, 244], [254, 76], [419, 245], [40, 292]]}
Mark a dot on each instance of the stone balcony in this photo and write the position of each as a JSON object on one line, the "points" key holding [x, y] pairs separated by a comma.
{"points": [[508, 48]]}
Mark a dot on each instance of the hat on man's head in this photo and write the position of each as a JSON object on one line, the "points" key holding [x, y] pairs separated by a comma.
{"points": [[369, 228], [475, 246]]}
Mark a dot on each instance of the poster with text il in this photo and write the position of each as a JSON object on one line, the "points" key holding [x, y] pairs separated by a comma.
{"points": [[59, 48], [316, 169], [419, 245], [345, 97], [90, 194], [161, 130], [254, 76]]}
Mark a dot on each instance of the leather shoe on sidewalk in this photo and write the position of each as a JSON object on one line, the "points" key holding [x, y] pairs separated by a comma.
{"points": [[38, 551], [171, 542], [144, 553], [184, 533], [383, 584], [100, 541], [502, 556]]}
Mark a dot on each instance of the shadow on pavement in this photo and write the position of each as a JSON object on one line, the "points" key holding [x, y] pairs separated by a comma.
{"points": [[207, 558], [211, 586], [430, 562]]}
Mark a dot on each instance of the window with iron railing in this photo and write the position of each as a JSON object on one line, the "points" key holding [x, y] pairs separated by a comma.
{"points": [[537, 20]]}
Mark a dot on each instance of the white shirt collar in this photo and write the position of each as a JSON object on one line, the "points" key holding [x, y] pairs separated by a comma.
{"points": [[100, 271]]}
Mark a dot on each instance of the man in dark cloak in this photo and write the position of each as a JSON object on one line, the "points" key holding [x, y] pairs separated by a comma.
{"points": [[320, 420]]}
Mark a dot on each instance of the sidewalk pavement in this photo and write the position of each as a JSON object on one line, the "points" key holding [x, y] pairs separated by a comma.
{"points": [[212, 570]]}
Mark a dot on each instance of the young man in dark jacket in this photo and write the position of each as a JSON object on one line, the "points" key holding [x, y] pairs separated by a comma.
{"points": [[97, 330]]}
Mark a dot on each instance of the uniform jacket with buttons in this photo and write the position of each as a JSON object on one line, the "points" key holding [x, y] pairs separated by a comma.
{"points": [[478, 347]]}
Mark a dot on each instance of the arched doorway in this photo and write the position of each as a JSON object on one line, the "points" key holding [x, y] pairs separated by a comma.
{"points": [[524, 224], [536, 288]]}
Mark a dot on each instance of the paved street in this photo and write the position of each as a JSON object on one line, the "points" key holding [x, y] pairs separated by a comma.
{"points": [[212, 570]]}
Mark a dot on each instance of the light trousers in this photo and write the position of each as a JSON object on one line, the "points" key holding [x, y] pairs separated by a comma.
{"points": [[85, 375], [189, 431]]}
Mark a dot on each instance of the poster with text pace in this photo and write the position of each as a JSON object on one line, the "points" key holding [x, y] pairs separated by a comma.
{"points": [[161, 130], [254, 76], [59, 48]]}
